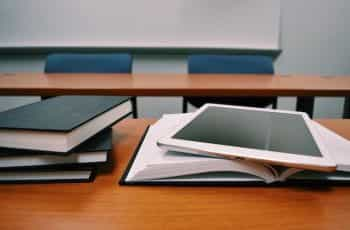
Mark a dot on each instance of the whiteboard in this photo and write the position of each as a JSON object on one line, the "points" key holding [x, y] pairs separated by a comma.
{"points": [[226, 24]]}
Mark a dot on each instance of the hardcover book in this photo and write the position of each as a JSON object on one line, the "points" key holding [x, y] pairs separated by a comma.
{"points": [[60, 124], [91, 152]]}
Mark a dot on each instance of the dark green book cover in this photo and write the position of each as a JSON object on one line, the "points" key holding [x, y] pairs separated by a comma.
{"points": [[58, 114]]}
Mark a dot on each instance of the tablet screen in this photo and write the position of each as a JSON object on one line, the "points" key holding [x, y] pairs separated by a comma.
{"points": [[262, 130]]}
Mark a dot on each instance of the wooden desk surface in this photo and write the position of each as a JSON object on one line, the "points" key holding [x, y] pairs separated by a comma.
{"points": [[172, 85], [106, 205]]}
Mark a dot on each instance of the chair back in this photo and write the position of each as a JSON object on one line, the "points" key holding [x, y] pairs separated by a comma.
{"points": [[230, 64], [88, 63]]}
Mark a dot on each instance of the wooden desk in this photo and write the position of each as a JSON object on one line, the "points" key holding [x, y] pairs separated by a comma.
{"points": [[106, 205], [304, 87], [172, 85]]}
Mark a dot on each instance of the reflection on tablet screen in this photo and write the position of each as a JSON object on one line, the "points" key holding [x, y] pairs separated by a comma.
{"points": [[262, 130]]}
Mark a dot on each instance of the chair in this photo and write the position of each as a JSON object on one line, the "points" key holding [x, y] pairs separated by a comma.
{"points": [[91, 63], [230, 64]]}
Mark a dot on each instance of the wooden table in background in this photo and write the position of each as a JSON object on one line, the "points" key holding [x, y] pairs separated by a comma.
{"points": [[303, 87], [104, 204]]}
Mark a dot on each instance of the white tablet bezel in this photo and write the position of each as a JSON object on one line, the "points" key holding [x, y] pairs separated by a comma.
{"points": [[322, 163]]}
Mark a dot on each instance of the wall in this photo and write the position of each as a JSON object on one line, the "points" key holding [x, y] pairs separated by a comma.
{"points": [[136, 23], [315, 40]]}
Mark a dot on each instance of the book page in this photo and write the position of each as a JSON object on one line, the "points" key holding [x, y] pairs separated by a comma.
{"points": [[149, 151]]}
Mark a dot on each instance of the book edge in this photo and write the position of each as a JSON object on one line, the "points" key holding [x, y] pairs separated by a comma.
{"points": [[91, 178]]}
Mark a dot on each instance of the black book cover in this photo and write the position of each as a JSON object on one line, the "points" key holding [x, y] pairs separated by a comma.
{"points": [[100, 142], [248, 183], [52, 169], [58, 114]]}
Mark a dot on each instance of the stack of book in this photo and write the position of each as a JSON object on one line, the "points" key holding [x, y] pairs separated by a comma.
{"points": [[65, 138]]}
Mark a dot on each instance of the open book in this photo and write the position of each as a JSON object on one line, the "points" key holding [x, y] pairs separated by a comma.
{"points": [[152, 164]]}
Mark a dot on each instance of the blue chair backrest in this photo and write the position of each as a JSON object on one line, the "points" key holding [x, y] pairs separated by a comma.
{"points": [[88, 63], [239, 64]]}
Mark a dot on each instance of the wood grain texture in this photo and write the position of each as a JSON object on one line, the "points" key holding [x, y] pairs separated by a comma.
{"points": [[106, 205], [172, 85]]}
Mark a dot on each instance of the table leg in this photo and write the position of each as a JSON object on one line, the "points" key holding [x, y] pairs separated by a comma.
{"points": [[346, 114], [306, 104]]}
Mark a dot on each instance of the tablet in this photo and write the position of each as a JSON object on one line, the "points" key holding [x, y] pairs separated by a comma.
{"points": [[272, 136]]}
